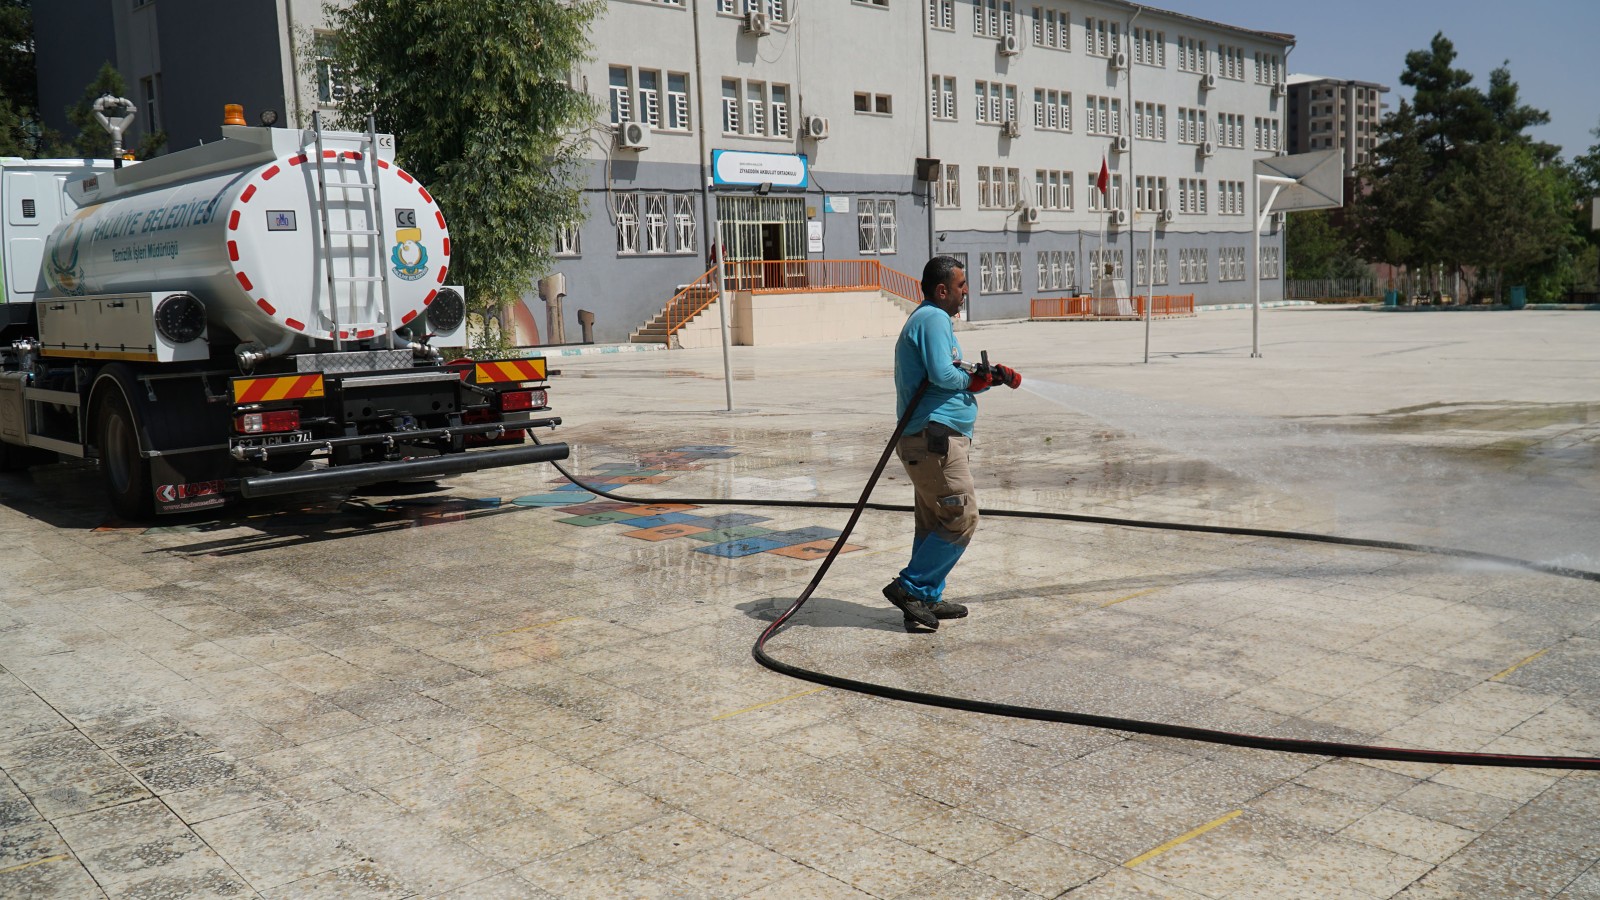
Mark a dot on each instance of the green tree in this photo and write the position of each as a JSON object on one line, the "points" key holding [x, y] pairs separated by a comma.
{"points": [[20, 131], [92, 140], [1318, 248], [1503, 214], [476, 95]]}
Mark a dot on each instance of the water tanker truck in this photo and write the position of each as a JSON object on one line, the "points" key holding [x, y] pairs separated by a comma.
{"points": [[254, 316]]}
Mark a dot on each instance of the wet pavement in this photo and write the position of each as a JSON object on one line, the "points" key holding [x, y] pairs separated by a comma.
{"points": [[500, 687]]}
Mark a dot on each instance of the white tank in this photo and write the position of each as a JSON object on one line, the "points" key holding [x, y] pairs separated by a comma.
{"points": [[236, 223]]}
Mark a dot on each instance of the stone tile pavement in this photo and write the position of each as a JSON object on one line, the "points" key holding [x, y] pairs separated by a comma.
{"points": [[444, 693]]}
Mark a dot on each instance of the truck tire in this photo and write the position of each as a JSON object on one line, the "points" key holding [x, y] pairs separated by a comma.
{"points": [[126, 473]]}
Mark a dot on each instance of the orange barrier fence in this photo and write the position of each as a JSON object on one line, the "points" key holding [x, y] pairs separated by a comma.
{"points": [[691, 301], [1109, 307]]}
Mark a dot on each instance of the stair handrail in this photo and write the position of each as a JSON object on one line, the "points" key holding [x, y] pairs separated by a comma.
{"points": [[690, 302]]}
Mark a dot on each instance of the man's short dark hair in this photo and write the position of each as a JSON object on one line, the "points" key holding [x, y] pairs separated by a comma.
{"points": [[938, 271]]}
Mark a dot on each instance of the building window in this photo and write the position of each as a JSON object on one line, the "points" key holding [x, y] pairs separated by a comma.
{"points": [[627, 224], [1269, 68], [1267, 136], [678, 101], [1230, 62], [1150, 47], [1230, 264], [1193, 267], [1105, 115], [1191, 125], [947, 189], [877, 228], [780, 110], [1192, 196], [1161, 266], [1230, 198], [1099, 202], [998, 187], [942, 14], [1057, 270], [649, 94], [730, 106], [997, 103], [776, 10], [568, 240], [655, 223], [1101, 37], [683, 223], [1230, 130], [152, 107], [1000, 272], [1052, 109], [1105, 263], [1050, 28], [888, 227], [874, 104], [883, 4], [1052, 189], [1150, 193], [993, 18], [1149, 121], [332, 84], [1191, 55], [942, 97], [1269, 262], [755, 108]]}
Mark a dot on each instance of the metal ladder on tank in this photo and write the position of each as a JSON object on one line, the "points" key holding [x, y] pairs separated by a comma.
{"points": [[371, 190]]}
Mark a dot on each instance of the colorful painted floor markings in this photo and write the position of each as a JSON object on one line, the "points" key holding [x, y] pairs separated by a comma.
{"points": [[726, 535]]}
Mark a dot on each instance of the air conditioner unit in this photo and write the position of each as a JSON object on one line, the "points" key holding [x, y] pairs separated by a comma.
{"points": [[1278, 219], [1011, 128], [1119, 60], [816, 127], [634, 136], [1208, 82], [1207, 148], [1165, 216], [757, 23], [1118, 217], [1121, 144], [1030, 215], [1280, 89], [1010, 46]]}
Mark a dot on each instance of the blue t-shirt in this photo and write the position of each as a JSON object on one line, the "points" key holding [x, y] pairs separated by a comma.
{"points": [[927, 350]]}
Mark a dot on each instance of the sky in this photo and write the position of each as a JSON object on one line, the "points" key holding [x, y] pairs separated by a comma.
{"points": [[1553, 47]]}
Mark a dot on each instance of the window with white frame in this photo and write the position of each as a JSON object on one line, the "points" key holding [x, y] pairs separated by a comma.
{"points": [[882, 4], [1269, 68], [649, 97], [1000, 272], [1101, 260], [942, 14], [627, 224], [1011, 104], [1192, 196], [776, 10], [780, 110], [1191, 125], [942, 97], [1191, 55], [1101, 36], [998, 187], [1057, 269], [1141, 261], [1230, 264], [1051, 28], [1230, 130], [1105, 115], [1110, 200], [993, 18], [621, 94], [677, 102], [1150, 47], [730, 106], [947, 189], [1161, 266], [877, 228], [1266, 134], [888, 227], [1052, 109], [1269, 262], [1230, 198], [1149, 121], [1150, 193], [755, 108], [1230, 62], [568, 240], [683, 223], [1052, 189], [1193, 266], [997, 103], [333, 86], [985, 192], [655, 223], [870, 104]]}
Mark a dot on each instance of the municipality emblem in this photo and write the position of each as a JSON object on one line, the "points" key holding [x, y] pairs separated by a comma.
{"points": [[410, 258]]}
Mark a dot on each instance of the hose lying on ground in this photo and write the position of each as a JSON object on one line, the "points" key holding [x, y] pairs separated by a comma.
{"points": [[1136, 726]]}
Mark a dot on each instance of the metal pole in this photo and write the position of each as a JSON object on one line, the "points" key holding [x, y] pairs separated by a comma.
{"points": [[722, 304], [1149, 286], [1260, 220]]}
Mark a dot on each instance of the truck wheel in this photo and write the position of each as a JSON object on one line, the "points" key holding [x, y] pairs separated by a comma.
{"points": [[126, 473]]}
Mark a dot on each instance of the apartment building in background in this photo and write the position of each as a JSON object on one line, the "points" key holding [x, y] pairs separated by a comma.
{"points": [[896, 129], [1332, 113]]}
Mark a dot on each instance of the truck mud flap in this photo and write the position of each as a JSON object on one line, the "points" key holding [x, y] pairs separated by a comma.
{"points": [[335, 477]]}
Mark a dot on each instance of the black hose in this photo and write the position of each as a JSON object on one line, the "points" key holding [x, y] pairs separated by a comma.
{"points": [[1136, 726]]}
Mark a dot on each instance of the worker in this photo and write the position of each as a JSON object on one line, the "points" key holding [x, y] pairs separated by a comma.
{"points": [[936, 442]]}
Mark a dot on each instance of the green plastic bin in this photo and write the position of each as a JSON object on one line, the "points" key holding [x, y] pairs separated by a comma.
{"points": [[1519, 296]]}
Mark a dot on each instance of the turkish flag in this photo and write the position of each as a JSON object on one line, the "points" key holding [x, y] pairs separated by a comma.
{"points": [[1103, 183]]}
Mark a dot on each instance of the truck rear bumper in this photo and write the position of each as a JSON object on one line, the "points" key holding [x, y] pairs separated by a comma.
{"points": [[334, 477]]}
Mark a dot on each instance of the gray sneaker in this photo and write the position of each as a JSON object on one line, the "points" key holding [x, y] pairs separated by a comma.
{"points": [[918, 612]]}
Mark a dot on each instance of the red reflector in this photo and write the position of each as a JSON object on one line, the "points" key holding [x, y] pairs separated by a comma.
{"points": [[267, 422], [512, 401]]}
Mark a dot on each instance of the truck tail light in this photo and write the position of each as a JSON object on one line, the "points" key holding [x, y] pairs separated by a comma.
{"points": [[515, 401], [267, 422]]}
